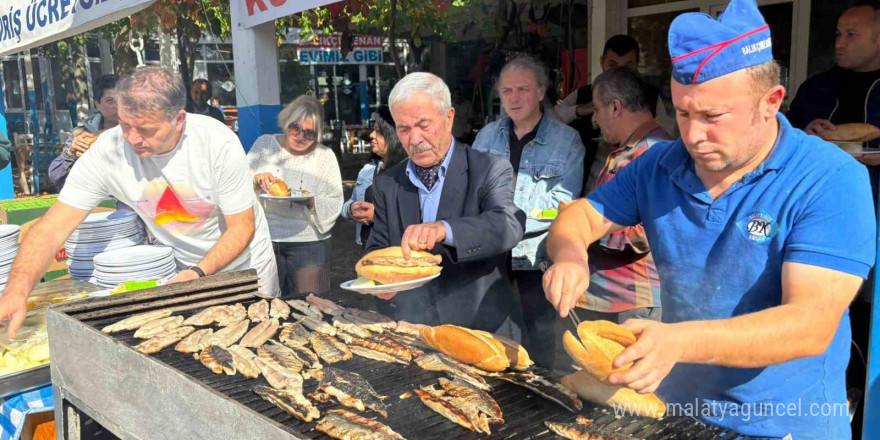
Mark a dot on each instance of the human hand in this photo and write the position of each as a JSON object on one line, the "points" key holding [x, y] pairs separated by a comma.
{"points": [[362, 212], [81, 143], [820, 127], [265, 180], [422, 237], [184, 275], [565, 282], [871, 160], [658, 348], [13, 307], [386, 296]]}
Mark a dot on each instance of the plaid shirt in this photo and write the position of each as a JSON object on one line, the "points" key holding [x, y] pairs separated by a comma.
{"points": [[622, 271]]}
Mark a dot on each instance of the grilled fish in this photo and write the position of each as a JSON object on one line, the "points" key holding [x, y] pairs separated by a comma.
{"points": [[306, 309], [316, 325], [192, 343], [394, 342], [261, 333], [229, 335], [157, 326], [346, 425], [232, 315], [281, 356], [352, 390], [441, 362], [217, 359], [290, 400], [205, 317], [135, 321], [544, 388], [375, 355], [375, 345], [445, 408], [279, 309], [466, 403], [294, 335], [258, 311], [342, 323], [329, 348], [309, 355], [409, 328], [373, 326], [325, 305], [471, 398], [277, 376], [580, 431], [371, 316], [162, 340], [243, 360]]}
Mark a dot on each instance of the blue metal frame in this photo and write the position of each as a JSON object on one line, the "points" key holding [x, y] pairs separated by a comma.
{"points": [[7, 191], [871, 424]]}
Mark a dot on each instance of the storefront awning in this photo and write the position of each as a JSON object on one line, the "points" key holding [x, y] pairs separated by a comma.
{"points": [[27, 24], [260, 11]]}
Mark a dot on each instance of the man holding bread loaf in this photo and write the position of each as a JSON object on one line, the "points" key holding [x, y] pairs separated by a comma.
{"points": [[452, 201], [743, 217]]}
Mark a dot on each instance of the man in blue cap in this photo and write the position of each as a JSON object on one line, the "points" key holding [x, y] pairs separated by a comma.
{"points": [[761, 234]]}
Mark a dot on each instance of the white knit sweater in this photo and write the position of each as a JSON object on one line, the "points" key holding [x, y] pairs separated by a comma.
{"points": [[316, 172]]}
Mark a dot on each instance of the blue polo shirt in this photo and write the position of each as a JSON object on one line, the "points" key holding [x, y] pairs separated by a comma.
{"points": [[808, 202]]}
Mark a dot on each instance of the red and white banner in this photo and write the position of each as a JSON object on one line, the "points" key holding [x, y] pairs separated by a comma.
{"points": [[260, 11]]}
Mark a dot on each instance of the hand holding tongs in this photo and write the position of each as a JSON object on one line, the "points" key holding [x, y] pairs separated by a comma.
{"points": [[544, 265]]}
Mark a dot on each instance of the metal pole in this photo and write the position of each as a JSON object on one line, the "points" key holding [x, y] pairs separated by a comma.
{"points": [[336, 94], [378, 87]]}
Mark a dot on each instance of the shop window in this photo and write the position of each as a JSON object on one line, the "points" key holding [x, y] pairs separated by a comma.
{"points": [[222, 79], [38, 82], [12, 85], [62, 80], [93, 49]]}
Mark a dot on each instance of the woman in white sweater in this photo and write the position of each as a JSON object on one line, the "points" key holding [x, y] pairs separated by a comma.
{"points": [[300, 231]]}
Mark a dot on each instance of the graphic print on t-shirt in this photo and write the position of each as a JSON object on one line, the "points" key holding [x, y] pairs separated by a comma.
{"points": [[178, 210]]}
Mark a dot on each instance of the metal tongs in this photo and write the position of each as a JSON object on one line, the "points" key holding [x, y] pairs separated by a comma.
{"points": [[546, 265]]}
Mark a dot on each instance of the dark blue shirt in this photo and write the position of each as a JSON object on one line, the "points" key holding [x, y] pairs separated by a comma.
{"points": [[808, 202]]}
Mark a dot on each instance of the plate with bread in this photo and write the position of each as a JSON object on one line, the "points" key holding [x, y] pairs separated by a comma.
{"points": [[387, 271], [279, 191], [851, 137]]}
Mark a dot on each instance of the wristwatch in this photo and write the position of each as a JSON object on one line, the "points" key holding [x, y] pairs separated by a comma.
{"points": [[198, 270]]}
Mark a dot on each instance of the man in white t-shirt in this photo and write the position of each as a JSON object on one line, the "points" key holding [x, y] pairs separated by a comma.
{"points": [[185, 175]]}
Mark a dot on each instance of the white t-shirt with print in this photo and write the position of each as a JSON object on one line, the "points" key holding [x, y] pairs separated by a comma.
{"points": [[183, 195]]}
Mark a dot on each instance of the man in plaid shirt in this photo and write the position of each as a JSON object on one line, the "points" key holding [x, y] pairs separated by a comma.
{"points": [[623, 281]]}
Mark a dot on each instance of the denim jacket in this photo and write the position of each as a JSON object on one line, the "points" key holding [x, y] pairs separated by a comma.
{"points": [[364, 180], [551, 170]]}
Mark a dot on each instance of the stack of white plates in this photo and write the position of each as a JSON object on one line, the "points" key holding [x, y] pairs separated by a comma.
{"points": [[101, 232], [8, 249], [138, 263]]}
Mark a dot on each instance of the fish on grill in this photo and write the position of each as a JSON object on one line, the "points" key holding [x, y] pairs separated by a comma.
{"points": [[244, 361], [344, 324], [441, 362], [375, 355], [544, 388], [261, 333], [415, 344], [157, 326], [232, 315], [218, 360], [205, 317], [309, 355], [290, 400], [375, 345], [581, 431], [409, 328], [445, 408], [279, 309], [159, 342], [325, 305], [136, 321], [294, 335], [371, 316], [346, 425], [283, 357], [258, 311], [306, 309], [329, 348], [471, 398], [193, 342], [278, 376], [352, 390], [315, 325], [229, 335], [394, 342]]}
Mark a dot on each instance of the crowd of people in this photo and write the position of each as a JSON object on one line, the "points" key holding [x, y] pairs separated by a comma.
{"points": [[721, 250]]}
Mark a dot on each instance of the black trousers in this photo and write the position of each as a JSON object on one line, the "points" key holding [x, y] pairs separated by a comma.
{"points": [[538, 315]]}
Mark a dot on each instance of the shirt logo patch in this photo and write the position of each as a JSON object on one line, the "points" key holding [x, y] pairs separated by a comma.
{"points": [[759, 227]]}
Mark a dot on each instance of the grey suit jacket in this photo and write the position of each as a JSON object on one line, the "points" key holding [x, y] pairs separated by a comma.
{"points": [[474, 289]]}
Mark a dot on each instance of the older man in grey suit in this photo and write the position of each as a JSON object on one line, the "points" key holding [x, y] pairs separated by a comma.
{"points": [[452, 201]]}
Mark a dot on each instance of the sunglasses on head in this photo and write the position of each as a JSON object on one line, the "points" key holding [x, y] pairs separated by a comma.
{"points": [[297, 130]]}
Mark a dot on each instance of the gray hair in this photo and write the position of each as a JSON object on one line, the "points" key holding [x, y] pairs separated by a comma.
{"points": [[302, 109], [150, 89], [525, 62], [423, 82], [625, 85]]}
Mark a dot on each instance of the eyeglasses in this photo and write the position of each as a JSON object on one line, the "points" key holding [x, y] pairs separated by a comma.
{"points": [[297, 130]]}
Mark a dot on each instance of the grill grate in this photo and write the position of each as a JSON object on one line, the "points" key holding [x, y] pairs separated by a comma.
{"points": [[524, 411]]}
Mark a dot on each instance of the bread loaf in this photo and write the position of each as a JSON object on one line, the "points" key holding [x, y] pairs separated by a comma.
{"points": [[853, 132], [519, 357], [472, 347], [588, 387], [600, 342], [388, 266]]}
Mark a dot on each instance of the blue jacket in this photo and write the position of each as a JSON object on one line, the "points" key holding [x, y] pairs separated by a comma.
{"points": [[364, 180], [60, 167], [551, 170]]}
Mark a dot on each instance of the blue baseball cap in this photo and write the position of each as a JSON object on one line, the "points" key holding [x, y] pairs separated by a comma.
{"points": [[703, 48]]}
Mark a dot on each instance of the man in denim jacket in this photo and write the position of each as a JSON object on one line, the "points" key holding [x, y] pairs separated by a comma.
{"points": [[547, 158]]}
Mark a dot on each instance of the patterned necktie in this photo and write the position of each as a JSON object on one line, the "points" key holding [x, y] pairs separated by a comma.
{"points": [[428, 176]]}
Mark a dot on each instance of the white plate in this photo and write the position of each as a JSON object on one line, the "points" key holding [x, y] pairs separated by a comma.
{"points": [[133, 255], [863, 152], [543, 220], [388, 288], [111, 271], [7, 230], [293, 197], [108, 217]]}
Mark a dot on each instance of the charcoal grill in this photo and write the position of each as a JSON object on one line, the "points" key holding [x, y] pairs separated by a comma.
{"points": [[171, 395]]}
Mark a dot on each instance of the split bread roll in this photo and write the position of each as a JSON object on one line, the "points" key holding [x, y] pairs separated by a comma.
{"points": [[279, 188], [388, 266], [600, 342], [853, 132], [588, 387], [475, 347]]}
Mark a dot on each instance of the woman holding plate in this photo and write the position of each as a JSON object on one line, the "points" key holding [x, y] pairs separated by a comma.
{"points": [[299, 224]]}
